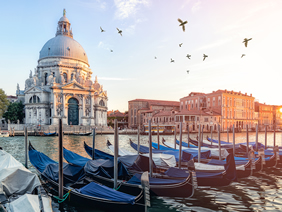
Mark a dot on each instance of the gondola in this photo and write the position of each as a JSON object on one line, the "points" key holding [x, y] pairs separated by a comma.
{"points": [[101, 170], [19, 186], [83, 191], [241, 152], [223, 178], [51, 134], [82, 134], [243, 168]]}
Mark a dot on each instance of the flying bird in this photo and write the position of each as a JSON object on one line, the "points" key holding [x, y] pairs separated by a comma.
{"points": [[180, 44], [111, 50], [243, 55], [246, 40], [155, 57], [187, 71], [188, 56], [171, 60], [182, 23], [102, 29], [204, 57], [119, 31]]}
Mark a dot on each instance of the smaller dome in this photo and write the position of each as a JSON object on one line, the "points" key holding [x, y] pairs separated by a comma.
{"points": [[64, 19]]}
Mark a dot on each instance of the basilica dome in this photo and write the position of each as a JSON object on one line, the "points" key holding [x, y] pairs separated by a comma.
{"points": [[63, 45]]}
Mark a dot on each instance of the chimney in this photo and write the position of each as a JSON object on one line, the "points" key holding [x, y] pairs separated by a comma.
{"points": [[251, 95]]}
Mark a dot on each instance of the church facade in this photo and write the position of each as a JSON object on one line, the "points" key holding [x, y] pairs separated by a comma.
{"points": [[61, 85]]}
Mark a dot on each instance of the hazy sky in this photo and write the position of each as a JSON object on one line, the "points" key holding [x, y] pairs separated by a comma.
{"points": [[150, 29]]}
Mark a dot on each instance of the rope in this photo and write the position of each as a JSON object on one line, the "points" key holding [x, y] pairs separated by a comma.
{"points": [[118, 187], [64, 197]]}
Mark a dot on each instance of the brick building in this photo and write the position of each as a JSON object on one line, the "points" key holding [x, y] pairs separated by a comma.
{"points": [[228, 107], [139, 107]]}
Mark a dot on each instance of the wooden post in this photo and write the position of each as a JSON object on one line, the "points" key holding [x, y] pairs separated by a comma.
{"points": [[158, 138], [116, 154], [93, 143], [188, 136], [211, 134], [150, 150], [247, 135], [274, 135], [61, 176], [265, 141], [199, 144], [219, 142], [180, 146], [233, 140], [256, 137], [138, 140], [227, 134], [25, 146], [175, 137]]}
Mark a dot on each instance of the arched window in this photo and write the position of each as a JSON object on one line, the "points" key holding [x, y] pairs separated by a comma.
{"points": [[45, 78], [30, 100], [65, 77], [34, 99], [102, 103]]}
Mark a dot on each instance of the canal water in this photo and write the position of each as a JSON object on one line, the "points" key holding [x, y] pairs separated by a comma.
{"points": [[260, 192]]}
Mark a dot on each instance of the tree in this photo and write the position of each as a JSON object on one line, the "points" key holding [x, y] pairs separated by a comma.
{"points": [[4, 102], [14, 112]]}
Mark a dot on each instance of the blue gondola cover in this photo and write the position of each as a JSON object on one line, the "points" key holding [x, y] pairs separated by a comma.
{"points": [[100, 191]]}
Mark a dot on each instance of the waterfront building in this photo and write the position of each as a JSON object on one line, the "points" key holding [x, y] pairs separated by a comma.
{"points": [[122, 118], [139, 107], [229, 107], [269, 116], [61, 85]]}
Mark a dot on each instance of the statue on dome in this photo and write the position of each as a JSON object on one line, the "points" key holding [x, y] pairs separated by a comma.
{"points": [[88, 81], [62, 78], [35, 80], [51, 79], [30, 74], [18, 87]]}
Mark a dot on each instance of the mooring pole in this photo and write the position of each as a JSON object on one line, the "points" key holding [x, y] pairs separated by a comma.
{"points": [[256, 137], [199, 144], [233, 140], [180, 146], [25, 146], [93, 143], [211, 134], [265, 141], [219, 142], [150, 150], [274, 135], [174, 136], [61, 176], [227, 135], [138, 140], [158, 138], [247, 134], [116, 154], [188, 136]]}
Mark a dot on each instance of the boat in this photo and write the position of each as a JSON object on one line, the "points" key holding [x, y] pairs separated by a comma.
{"points": [[20, 187], [186, 155], [82, 134], [81, 190], [50, 134], [4, 134], [223, 178], [243, 167], [101, 170]]}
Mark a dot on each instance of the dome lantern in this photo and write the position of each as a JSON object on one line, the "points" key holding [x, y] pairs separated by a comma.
{"points": [[64, 26]]}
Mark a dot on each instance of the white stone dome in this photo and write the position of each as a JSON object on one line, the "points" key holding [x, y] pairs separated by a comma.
{"points": [[65, 47]]}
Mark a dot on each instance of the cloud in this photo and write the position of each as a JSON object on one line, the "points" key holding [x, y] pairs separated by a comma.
{"points": [[103, 45], [196, 7], [215, 44], [126, 8], [114, 79], [94, 4]]}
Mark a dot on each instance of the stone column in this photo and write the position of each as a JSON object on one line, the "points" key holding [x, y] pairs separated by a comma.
{"points": [[54, 115], [92, 120]]}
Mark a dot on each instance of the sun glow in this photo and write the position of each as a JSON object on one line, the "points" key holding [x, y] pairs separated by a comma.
{"points": [[280, 110]]}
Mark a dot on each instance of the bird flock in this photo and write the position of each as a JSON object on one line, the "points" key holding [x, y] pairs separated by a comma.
{"points": [[182, 25]]}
